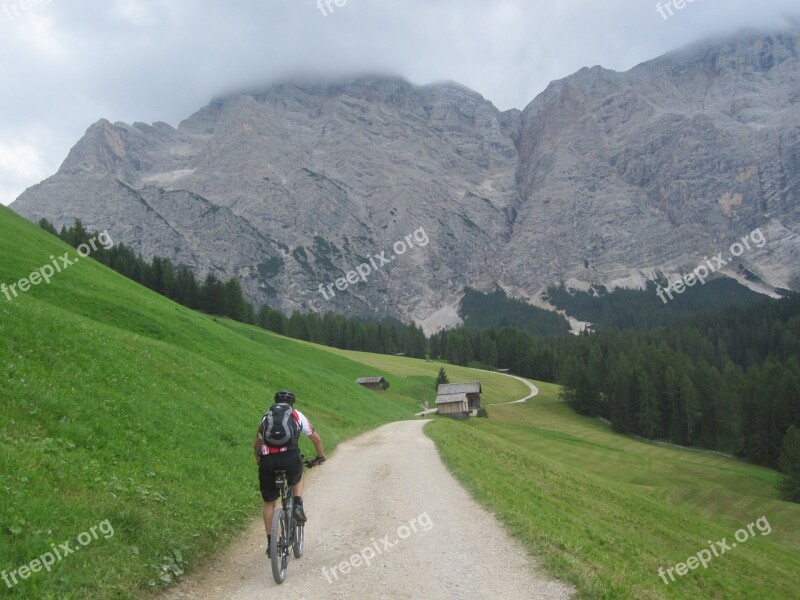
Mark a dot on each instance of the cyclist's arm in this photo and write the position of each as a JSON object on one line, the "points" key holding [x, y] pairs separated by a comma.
{"points": [[308, 429], [317, 441], [257, 445]]}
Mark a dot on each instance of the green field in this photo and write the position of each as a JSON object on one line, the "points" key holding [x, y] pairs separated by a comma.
{"points": [[605, 512], [416, 377], [121, 406]]}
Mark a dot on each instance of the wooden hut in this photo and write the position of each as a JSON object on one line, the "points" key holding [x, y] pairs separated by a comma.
{"points": [[458, 400], [373, 383]]}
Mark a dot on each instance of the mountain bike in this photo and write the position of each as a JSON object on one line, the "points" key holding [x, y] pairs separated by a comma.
{"points": [[286, 532]]}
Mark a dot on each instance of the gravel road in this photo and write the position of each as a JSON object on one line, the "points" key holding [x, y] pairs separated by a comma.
{"points": [[384, 498], [533, 388]]}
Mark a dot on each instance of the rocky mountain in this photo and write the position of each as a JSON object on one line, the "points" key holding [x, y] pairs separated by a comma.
{"points": [[605, 178]]}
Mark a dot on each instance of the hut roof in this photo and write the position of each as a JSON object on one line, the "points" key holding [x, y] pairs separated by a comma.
{"points": [[363, 380], [473, 387], [451, 398]]}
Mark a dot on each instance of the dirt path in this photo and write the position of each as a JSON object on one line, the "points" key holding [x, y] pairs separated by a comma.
{"points": [[533, 388], [383, 497]]}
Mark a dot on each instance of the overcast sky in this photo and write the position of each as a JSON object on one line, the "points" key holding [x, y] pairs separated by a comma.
{"points": [[67, 63]]}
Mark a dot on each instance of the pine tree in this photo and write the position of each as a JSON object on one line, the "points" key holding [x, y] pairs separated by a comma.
{"points": [[709, 391], [297, 327], [577, 388], [160, 273], [621, 392], [329, 329], [673, 405], [790, 465], [420, 346], [234, 300], [48, 226], [77, 234], [690, 408], [488, 351], [271, 320], [213, 299], [649, 411], [441, 378], [185, 289]]}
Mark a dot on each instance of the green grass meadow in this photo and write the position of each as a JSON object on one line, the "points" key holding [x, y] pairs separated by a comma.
{"points": [[416, 377], [605, 512], [117, 404]]}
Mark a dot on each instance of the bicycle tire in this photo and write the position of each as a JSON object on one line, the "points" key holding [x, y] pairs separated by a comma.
{"points": [[279, 546], [298, 540]]}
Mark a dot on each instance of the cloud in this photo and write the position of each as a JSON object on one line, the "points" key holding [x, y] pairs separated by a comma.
{"points": [[21, 165], [68, 64]]}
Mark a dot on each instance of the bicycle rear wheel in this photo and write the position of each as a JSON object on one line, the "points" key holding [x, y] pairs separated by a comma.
{"points": [[279, 545], [298, 540]]}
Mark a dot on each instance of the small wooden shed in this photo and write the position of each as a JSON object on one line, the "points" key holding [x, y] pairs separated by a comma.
{"points": [[458, 400], [373, 383]]}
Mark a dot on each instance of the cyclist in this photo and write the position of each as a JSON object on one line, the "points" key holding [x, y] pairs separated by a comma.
{"points": [[284, 458]]}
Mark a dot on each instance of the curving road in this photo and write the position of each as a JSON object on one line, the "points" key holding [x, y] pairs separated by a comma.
{"points": [[533, 388]]}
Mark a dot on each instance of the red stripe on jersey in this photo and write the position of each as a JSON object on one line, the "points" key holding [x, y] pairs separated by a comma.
{"points": [[265, 450]]}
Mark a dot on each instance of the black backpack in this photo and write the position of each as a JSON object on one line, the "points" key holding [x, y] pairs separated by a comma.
{"points": [[279, 427]]}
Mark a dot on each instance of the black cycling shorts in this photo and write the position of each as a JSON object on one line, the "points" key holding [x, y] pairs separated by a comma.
{"points": [[289, 461]]}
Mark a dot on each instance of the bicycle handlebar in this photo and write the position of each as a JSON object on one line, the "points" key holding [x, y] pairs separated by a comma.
{"points": [[310, 464]]}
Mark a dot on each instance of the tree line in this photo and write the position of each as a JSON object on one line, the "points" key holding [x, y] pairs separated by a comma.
{"points": [[643, 309], [728, 381], [734, 389], [225, 298], [496, 310], [383, 336], [212, 296]]}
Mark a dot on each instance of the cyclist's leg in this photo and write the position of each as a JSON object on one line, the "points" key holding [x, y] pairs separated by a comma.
{"points": [[266, 477], [269, 510], [295, 473]]}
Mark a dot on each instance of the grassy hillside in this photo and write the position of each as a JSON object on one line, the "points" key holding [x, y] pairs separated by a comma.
{"points": [[117, 404], [119, 407], [607, 511]]}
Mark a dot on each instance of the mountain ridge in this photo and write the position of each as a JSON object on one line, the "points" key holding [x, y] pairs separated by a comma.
{"points": [[604, 178]]}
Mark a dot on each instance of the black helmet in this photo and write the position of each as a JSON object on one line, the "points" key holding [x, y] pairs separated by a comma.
{"points": [[284, 396]]}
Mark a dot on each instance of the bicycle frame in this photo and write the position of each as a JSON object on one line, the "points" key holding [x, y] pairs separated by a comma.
{"points": [[287, 504], [286, 532]]}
